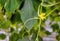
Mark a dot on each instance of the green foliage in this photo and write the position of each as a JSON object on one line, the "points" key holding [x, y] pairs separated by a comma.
{"points": [[2, 36], [55, 27], [27, 13], [2, 2], [16, 18], [12, 38], [26, 19], [39, 38], [11, 6], [4, 25]]}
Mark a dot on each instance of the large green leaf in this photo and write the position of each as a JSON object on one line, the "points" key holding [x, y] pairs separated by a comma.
{"points": [[2, 2], [11, 5], [28, 12], [36, 4]]}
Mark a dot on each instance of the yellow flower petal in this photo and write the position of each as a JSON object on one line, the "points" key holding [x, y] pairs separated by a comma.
{"points": [[42, 16]]}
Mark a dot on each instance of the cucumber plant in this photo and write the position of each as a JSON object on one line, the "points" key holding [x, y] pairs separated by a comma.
{"points": [[24, 20]]}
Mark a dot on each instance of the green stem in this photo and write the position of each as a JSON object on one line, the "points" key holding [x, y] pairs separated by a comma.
{"points": [[30, 19], [40, 8], [39, 25], [39, 12], [50, 5], [40, 19], [51, 11]]}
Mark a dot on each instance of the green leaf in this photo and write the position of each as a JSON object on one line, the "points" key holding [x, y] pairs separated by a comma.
{"points": [[11, 30], [16, 18], [47, 32], [58, 31], [55, 27], [27, 13], [39, 38], [4, 24], [36, 4], [11, 6], [2, 2], [14, 37], [2, 36], [58, 37], [57, 19]]}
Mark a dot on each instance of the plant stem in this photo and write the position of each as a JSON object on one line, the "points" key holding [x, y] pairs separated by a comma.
{"points": [[30, 19], [39, 24], [51, 11], [50, 4]]}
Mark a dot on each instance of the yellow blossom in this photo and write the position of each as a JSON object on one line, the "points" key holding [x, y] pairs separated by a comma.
{"points": [[42, 16]]}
